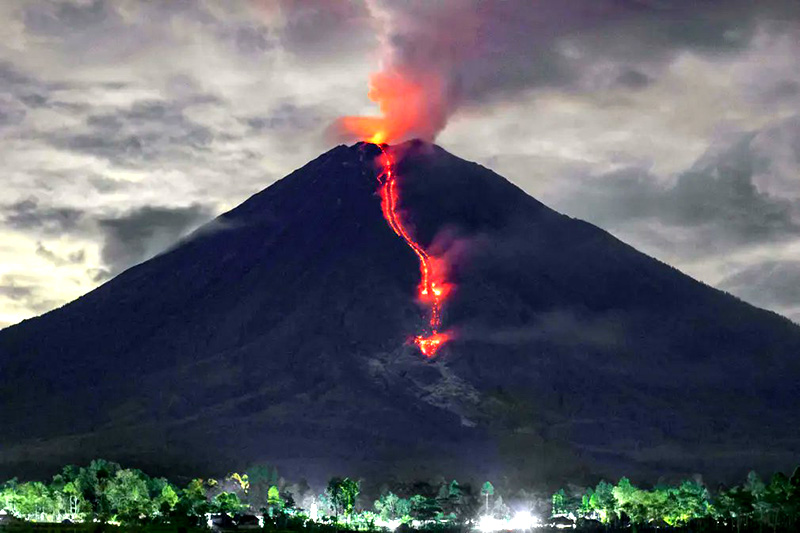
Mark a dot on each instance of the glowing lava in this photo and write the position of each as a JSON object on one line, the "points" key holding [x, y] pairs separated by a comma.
{"points": [[432, 288]]}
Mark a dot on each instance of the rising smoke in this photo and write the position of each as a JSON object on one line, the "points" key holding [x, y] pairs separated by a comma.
{"points": [[441, 57]]}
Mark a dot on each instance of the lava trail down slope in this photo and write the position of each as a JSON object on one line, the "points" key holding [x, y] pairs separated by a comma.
{"points": [[433, 289]]}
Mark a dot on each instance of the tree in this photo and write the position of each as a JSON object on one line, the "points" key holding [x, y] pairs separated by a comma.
{"points": [[500, 510], [260, 478], [586, 507], [192, 500], [274, 501], [559, 503], [424, 508], [487, 490], [455, 501], [690, 502], [778, 500], [342, 494], [604, 502], [227, 503], [93, 481], [129, 497], [392, 507], [34, 501], [74, 498], [165, 497]]}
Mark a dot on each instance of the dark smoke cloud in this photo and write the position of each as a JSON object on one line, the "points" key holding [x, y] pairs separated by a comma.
{"points": [[469, 53]]}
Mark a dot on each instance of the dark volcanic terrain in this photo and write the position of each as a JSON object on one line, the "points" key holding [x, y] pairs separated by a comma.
{"points": [[278, 333]]}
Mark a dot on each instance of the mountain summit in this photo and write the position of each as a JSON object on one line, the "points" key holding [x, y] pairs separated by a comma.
{"points": [[279, 333]]}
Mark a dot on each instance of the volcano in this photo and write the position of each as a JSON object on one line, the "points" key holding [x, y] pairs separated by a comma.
{"points": [[279, 333]]}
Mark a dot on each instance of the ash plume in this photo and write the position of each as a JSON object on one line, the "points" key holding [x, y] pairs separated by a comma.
{"points": [[445, 56]]}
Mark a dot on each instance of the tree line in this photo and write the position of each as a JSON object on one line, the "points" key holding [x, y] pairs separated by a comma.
{"points": [[755, 505], [104, 491]]}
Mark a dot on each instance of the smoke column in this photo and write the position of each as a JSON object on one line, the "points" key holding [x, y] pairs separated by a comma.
{"points": [[415, 89]]}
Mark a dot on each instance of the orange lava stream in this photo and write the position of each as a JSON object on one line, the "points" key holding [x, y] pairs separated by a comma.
{"points": [[432, 289]]}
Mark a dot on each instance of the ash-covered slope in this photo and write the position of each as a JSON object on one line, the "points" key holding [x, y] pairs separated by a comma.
{"points": [[277, 334]]}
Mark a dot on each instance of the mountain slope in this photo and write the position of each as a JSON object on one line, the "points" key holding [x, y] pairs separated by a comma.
{"points": [[278, 333]]}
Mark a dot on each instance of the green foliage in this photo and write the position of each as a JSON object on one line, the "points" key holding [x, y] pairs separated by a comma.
{"points": [[487, 490], [274, 496], [392, 507], [105, 492], [775, 505], [424, 508], [342, 494], [227, 503], [128, 496]]}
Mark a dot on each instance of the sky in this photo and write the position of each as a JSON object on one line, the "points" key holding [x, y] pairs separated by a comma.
{"points": [[125, 125]]}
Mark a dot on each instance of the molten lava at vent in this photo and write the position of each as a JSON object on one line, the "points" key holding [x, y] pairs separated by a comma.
{"points": [[432, 288]]}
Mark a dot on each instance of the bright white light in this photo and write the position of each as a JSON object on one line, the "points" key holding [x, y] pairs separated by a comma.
{"points": [[523, 520], [487, 524]]}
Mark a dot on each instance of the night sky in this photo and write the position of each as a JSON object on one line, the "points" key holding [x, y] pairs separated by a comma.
{"points": [[672, 124]]}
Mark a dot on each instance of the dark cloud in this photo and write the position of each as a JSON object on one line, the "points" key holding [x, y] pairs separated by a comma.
{"points": [[633, 79], [11, 113], [288, 118], [53, 18], [717, 199], [29, 215], [772, 284], [318, 30], [11, 290], [145, 131], [23, 92], [488, 50], [142, 233]]}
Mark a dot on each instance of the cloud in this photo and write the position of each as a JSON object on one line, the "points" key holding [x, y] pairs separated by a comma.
{"points": [[633, 79], [24, 292], [142, 233], [72, 258], [771, 284], [718, 199], [10, 289], [309, 29], [601, 108], [443, 56], [29, 215], [145, 131]]}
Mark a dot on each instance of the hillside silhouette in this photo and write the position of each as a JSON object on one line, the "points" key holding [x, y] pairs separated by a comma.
{"points": [[278, 333]]}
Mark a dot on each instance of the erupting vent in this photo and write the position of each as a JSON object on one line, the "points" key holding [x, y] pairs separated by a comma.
{"points": [[432, 289]]}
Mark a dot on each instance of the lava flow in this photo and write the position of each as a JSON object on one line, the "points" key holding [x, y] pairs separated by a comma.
{"points": [[432, 289]]}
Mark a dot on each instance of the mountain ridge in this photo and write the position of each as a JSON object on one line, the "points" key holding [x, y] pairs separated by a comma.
{"points": [[287, 323]]}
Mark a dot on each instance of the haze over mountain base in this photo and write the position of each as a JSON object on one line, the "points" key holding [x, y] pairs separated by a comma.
{"points": [[279, 334]]}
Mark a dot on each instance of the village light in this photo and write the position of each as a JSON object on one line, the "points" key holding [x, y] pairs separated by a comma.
{"points": [[488, 524], [523, 520]]}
